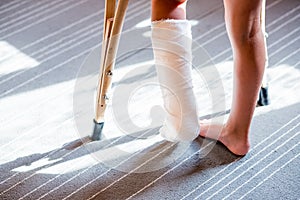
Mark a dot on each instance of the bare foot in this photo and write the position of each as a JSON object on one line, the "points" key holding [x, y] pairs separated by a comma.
{"points": [[237, 143]]}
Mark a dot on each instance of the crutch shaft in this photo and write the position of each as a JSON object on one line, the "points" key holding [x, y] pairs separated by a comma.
{"points": [[109, 61]]}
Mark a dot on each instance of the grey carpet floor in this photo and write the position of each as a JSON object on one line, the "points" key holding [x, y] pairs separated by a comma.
{"points": [[47, 82]]}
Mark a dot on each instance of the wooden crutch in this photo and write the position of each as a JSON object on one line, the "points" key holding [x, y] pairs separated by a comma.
{"points": [[113, 23], [264, 99]]}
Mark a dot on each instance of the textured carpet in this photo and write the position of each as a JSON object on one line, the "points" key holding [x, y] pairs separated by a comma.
{"points": [[47, 79]]}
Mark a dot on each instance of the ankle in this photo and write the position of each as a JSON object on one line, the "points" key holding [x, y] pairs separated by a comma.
{"points": [[239, 133]]}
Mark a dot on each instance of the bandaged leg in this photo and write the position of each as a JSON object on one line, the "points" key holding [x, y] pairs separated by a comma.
{"points": [[171, 41]]}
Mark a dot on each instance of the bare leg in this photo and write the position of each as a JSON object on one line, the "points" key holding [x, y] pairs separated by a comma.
{"points": [[247, 40]]}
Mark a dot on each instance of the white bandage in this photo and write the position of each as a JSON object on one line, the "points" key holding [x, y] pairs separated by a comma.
{"points": [[172, 41]]}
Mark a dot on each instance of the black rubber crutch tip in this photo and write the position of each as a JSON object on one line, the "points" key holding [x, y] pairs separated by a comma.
{"points": [[97, 132], [264, 98]]}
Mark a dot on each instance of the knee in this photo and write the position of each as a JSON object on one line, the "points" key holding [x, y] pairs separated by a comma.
{"points": [[243, 21], [168, 9], [180, 1], [167, 5], [244, 31], [173, 3]]}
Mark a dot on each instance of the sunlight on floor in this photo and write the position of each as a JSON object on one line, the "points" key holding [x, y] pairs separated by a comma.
{"points": [[13, 60], [284, 86], [69, 165], [35, 165], [284, 89]]}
